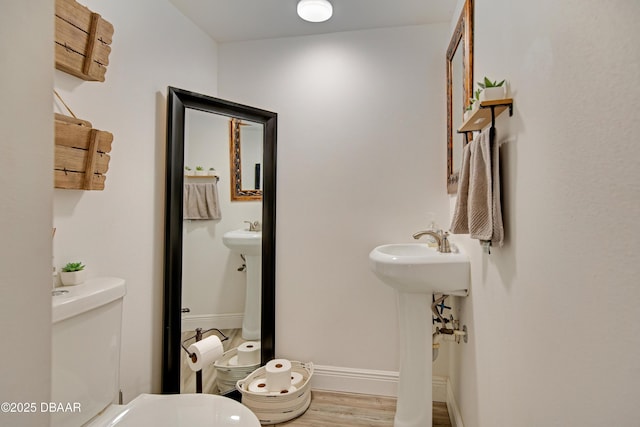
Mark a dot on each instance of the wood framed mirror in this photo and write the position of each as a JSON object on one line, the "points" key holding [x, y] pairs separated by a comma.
{"points": [[196, 126], [459, 90], [245, 153]]}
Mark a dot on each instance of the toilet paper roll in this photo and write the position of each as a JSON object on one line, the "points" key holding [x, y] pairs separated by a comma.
{"points": [[258, 386], [205, 352], [289, 390], [296, 379], [249, 353], [278, 374]]}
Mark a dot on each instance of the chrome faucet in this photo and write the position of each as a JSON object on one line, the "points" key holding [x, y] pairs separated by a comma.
{"points": [[442, 238], [254, 226]]}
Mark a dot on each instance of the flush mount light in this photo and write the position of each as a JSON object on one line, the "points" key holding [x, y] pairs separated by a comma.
{"points": [[315, 10]]}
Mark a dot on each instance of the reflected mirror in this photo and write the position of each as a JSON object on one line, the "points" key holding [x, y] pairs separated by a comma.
{"points": [[211, 281], [459, 90], [246, 159]]}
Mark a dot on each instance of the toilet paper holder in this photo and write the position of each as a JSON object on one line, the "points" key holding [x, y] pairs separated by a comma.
{"points": [[198, 336]]}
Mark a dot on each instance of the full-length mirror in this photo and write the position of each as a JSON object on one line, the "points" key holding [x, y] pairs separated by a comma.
{"points": [[459, 90], [219, 270]]}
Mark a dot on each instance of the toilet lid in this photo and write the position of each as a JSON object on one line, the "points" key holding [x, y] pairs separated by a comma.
{"points": [[178, 410]]}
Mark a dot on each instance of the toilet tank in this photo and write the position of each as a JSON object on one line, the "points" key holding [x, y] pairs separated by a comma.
{"points": [[87, 323]]}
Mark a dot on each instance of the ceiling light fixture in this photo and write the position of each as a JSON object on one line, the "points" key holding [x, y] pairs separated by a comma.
{"points": [[315, 10]]}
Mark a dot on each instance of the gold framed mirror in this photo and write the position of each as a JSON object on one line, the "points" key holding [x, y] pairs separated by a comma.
{"points": [[459, 90], [245, 151]]}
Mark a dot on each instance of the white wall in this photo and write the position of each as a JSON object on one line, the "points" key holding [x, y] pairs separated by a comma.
{"points": [[26, 176], [553, 316], [361, 160], [119, 231]]}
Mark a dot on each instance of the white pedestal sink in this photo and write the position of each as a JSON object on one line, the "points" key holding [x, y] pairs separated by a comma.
{"points": [[416, 272], [249, 244]]}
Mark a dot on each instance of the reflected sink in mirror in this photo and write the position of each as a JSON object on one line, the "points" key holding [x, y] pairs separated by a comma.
{"points": [[244, 242], [418, 268], [249, 244]]}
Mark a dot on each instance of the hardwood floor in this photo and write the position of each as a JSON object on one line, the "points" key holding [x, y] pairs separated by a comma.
{"points": [[331, 409]]}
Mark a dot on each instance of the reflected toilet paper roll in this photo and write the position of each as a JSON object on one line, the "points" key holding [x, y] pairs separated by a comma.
{"points": [[296, 379], [249, 353], [258, 386], [205, 352], [278, 374]]}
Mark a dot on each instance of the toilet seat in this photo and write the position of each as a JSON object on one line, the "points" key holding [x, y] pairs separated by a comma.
{"points": [[177, 410]]}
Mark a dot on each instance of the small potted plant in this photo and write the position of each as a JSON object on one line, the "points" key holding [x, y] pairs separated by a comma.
{"points": [[492, 90], [200, 171], [73, 274], [212, 172], [474, 103], [187, 171]]}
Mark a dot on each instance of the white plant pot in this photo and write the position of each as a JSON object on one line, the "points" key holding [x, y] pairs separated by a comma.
{"points": [[467, 114], [493, 93], [70, 278], [201, 173], [212, 173]]}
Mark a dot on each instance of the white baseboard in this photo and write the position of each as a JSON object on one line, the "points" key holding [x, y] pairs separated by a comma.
{"points": [[351, 380], [207, 321], [452, 407], [366, 381]]}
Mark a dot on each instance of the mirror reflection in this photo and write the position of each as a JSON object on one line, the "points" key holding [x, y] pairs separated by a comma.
{"points": [[220, 281], [246, 158]]}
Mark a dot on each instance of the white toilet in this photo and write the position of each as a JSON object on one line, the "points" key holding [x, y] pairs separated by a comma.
{"points": [[87, 322]]}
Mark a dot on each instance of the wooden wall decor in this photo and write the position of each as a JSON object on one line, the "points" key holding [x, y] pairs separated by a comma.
{"points": [[81, 159], [82, 41]]}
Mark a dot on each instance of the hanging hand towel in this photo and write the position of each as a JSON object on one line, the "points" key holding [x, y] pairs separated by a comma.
{"points": [[497, 237], [460, 220], [479, 204], [201, 201]]}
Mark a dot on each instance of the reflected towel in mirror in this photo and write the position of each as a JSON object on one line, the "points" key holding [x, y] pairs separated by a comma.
{"points": [[201, 201]]}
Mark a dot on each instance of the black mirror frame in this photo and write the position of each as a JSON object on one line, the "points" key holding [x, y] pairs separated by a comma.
{"points": [[178, 100]]}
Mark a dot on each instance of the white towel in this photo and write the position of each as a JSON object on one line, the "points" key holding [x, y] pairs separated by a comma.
{"points": [[478, 211], [201, 201]]}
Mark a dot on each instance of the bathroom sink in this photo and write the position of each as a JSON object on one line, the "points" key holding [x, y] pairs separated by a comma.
{"points": [[244, 242], [417, 271], [418, 268]]}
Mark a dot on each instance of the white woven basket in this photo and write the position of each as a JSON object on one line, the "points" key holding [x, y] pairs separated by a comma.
{"points": [[277, 408], [228, 375]]}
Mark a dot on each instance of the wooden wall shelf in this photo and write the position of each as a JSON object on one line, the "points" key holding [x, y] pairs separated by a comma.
{"points": [[482, 117]]}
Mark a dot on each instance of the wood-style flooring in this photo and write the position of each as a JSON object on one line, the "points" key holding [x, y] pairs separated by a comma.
{"points": [[331, 409]]}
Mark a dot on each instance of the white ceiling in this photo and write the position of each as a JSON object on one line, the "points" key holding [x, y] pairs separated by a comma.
{"points": [[238, 20]]}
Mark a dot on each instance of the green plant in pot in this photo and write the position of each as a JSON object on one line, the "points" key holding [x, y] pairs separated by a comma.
{"points": [[200, 170], [187, 170], [474, 102], [491, 90], [73, 273]]}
